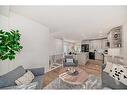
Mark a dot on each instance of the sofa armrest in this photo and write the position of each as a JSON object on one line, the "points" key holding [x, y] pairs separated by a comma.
{"points": [[103, 66], [37, 71], [76, 62]]}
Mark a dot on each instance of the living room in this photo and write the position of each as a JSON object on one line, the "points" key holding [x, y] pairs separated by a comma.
{"points": [[64, 47]]}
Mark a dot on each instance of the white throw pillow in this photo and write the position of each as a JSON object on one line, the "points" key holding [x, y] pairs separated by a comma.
{"points": [[25, 79], [69, 60], [108, 67]]}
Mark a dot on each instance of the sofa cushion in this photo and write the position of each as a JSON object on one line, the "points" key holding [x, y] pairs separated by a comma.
{"points": [[32, 85], [9, 78], [37, 71], [2, 83], [108, 81], [39, 79]]}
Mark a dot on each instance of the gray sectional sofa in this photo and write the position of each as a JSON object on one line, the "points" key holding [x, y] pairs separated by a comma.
{"points": [[7, 81], [110, 82]]}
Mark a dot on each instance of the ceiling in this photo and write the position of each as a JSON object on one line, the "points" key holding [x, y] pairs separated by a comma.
{"points": [[76, 23]]}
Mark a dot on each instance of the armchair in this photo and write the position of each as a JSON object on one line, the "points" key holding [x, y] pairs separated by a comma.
{"points": [[70, 61]]}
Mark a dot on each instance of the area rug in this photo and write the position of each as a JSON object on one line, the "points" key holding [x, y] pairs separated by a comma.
{"points": [[93, 82]]}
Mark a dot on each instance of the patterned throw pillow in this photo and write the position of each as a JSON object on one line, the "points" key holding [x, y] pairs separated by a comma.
{"points": [[119, 72], [69, 60], [25, 79]]}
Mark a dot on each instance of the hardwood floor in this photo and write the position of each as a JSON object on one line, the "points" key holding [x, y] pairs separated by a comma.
{"points": [[91, 67]]}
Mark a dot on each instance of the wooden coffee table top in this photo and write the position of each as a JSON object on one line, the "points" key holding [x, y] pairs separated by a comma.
{"points": [[77, 79]]}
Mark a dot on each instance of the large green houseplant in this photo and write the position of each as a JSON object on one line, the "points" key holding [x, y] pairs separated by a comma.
{"points": [[9, 44]]}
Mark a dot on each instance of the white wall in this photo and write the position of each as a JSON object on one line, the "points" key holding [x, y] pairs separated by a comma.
{"points": [[115, 52], [35, 41], [56, 46], [124, 51]]}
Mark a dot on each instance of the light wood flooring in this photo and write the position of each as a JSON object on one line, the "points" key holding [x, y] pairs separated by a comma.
{"points": [[91, 67]]}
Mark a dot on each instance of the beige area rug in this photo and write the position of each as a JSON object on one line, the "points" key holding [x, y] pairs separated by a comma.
{"points": [[93, 82]]}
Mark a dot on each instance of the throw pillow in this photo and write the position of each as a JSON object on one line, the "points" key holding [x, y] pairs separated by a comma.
{"points": [[69, 60], [114, 69], [108, 67], [119, 72], [37, 71], [123, 78], [25, 79]]}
